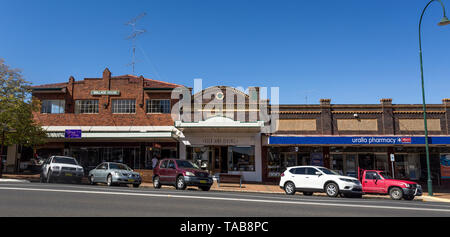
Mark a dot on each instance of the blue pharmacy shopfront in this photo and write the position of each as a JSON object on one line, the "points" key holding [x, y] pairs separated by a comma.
{"points": [[346, 154]]}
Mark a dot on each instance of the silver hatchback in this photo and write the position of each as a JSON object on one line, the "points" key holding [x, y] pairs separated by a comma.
{"points": [[114, 173]]}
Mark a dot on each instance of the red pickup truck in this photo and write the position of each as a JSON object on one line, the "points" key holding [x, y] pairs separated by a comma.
{"points": [[378, 182]]}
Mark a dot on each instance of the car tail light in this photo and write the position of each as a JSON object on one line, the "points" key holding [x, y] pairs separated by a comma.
{"points": [[282, 174]]}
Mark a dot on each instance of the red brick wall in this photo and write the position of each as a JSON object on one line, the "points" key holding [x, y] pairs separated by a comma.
{"points": [[130, 88]]}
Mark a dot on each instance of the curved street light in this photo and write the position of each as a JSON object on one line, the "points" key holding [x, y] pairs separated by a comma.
{"points": [[444, 21]]}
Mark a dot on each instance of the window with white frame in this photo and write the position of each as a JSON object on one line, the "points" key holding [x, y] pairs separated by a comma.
{"points": [[158, 106], [86, 106], [53, 106], [123, 106]]}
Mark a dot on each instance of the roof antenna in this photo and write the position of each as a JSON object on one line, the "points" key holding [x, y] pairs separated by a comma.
{"points": [[133, 37]]}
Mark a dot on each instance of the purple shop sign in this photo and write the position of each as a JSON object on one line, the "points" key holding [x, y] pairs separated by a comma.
{"points": [[72, 133]]}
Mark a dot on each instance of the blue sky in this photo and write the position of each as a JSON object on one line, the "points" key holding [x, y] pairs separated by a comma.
{"points": [[354, 52]]}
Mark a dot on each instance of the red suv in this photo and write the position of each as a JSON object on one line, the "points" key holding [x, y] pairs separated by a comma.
{"points": [[180, 173]]}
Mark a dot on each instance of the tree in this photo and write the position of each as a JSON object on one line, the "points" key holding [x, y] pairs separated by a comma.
{"points": [[17, 125]]}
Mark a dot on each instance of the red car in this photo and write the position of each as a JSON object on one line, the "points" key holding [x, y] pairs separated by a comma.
{"points": [[180, 173], [378, 182]]}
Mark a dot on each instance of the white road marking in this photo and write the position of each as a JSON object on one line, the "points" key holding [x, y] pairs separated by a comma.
{"points": [[225, 199]]}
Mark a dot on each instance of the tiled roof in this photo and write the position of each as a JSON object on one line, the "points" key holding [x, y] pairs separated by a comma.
{"points": [[151, 83], [148, 83], [53, 85]]}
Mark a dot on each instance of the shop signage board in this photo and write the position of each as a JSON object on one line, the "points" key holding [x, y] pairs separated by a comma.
{"points": [[362, 140], [105, 92], [72, 133]]}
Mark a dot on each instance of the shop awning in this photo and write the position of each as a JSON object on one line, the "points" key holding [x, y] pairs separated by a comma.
{"points": [[84, 133], [360, 140]]}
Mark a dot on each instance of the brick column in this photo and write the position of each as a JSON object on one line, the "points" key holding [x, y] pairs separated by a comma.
{"points": [[446, 103], [326, 117], [387, 118]]}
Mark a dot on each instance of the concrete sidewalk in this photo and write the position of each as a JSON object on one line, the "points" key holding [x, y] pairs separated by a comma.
{"points": [[250, 188]]}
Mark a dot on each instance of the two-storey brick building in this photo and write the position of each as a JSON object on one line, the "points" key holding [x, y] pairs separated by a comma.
{"points": [[121, 118]]}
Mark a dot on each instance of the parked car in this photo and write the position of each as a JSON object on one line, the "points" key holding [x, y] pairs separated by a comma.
{"points": [[61, 168], [113, 173], [378, 182], [310, 179], [180, 173]]}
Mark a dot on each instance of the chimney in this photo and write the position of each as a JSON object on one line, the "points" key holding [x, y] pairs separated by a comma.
{"points": [[107, 79]]}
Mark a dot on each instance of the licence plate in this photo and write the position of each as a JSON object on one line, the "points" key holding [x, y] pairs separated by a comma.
{"points": [[131, 180], [68, 174], [203, 181]]}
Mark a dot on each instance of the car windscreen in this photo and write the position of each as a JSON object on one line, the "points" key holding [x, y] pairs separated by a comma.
{"points": [[186, 164], [118, 167], [385, 175], [65, 160], [327, 171]]}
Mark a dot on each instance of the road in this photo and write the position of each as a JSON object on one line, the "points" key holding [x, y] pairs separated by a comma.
{"points": [[70, 200]]}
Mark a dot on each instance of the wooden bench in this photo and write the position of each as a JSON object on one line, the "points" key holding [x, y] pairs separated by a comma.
{"points": [[230, 178]]}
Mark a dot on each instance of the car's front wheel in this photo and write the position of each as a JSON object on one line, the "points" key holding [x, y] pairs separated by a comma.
{"points": [[181, 183], [136, 185], [109, 180], [156, 183], [332, 190], [289, 188], [396, 193]]}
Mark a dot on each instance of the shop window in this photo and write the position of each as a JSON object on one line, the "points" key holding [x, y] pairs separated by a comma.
{"points": [[241, 158], [350, 162], [86, 106], [400, 166], [381, 162], [274, 164], [414, 168], [123, 106], [53, 106], [337, 163], [303, 159]]}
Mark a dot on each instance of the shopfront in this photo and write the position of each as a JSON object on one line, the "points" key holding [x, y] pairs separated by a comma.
{"points": [[134, 146], [221, 145]]}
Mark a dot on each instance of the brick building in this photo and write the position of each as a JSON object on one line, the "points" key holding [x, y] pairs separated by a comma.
{"points": [[345, 137], [121, 118]]}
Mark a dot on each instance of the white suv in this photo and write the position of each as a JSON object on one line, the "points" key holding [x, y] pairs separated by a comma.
{"points": [[310, 179], [61, 167]]}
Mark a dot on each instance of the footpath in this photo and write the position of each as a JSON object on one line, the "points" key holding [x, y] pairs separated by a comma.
{"points": [[250, 188]]}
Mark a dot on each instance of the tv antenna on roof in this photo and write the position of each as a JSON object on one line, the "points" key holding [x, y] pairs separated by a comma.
{"points": [[134, 34]]}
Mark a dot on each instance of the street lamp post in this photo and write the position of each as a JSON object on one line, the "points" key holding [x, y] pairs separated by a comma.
{"points": [[444, 21]]}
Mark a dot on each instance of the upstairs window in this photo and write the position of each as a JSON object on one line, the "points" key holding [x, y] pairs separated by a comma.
{"points": [[86, 106], [158, 106], [53, 106], [123, 106]]}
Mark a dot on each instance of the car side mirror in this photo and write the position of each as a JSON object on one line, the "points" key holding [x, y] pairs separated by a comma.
{"points": [[318, 173]]}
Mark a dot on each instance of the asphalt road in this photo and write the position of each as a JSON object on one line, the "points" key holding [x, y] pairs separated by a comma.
{"points": [[70, 200]]}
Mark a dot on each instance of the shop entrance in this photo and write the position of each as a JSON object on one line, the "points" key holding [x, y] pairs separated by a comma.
{"points": [[211, 158], [219, 159]]}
